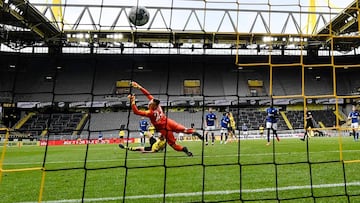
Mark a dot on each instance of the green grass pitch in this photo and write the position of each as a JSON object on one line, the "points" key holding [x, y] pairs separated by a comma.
{"points": [[249, 171]]}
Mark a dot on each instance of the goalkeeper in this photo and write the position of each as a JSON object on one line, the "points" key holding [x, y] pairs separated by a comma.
{"points": [[156, 145], [160, 121]]}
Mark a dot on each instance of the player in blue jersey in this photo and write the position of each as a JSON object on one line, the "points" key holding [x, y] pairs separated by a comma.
{"points": [[272, 116], [354, 116], [244, 130], [143, 127], [100, 137], [210, 126], [224, 128]]}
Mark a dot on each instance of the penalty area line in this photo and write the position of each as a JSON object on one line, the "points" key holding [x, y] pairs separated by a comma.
{"points": [[224, 192]]}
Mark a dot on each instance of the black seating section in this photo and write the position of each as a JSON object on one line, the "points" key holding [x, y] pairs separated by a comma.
{"points": [[65, 124], [254, 117], [296, 118], [57, 123], [327, 117]]}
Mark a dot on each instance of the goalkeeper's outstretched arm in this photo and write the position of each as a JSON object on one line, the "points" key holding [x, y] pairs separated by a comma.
{"points": [[135, 108], [143, 90]]}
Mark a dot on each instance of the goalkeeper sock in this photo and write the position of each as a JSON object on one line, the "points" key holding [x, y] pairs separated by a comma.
{"points": [[133, 149], [129, 148]]}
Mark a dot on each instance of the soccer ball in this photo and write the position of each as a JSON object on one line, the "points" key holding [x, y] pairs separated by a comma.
{"points": [[139, 16]]}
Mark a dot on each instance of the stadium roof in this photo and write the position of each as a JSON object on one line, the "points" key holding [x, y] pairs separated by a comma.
{"points": [[177, 22]]}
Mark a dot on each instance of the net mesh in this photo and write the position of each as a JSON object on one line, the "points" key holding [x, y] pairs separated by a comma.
{"points": [[92, 168]]}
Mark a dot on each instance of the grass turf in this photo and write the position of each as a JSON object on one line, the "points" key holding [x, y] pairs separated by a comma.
{"points": [[289, 170]]}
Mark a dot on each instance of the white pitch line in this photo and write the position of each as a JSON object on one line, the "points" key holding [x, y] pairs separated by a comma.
{"points": [[161, 158], [224, 192]]}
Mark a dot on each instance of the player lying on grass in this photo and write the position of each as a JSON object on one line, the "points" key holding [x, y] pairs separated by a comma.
{"points": [[156, 145], [160, 121]]}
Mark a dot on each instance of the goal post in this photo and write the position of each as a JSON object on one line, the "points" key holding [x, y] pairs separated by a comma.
{"points": [[6, 134]]}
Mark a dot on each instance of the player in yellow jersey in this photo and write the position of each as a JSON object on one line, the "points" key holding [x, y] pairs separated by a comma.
{"points": [[156, 145], [232, 127], [151, 129], [261, 131]]}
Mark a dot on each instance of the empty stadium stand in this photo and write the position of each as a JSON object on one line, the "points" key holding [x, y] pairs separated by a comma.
{"points": [[296, 119], [54, 124], [287, 81], [254, 117], [108, 121], [326, 117], [81, 79]]}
